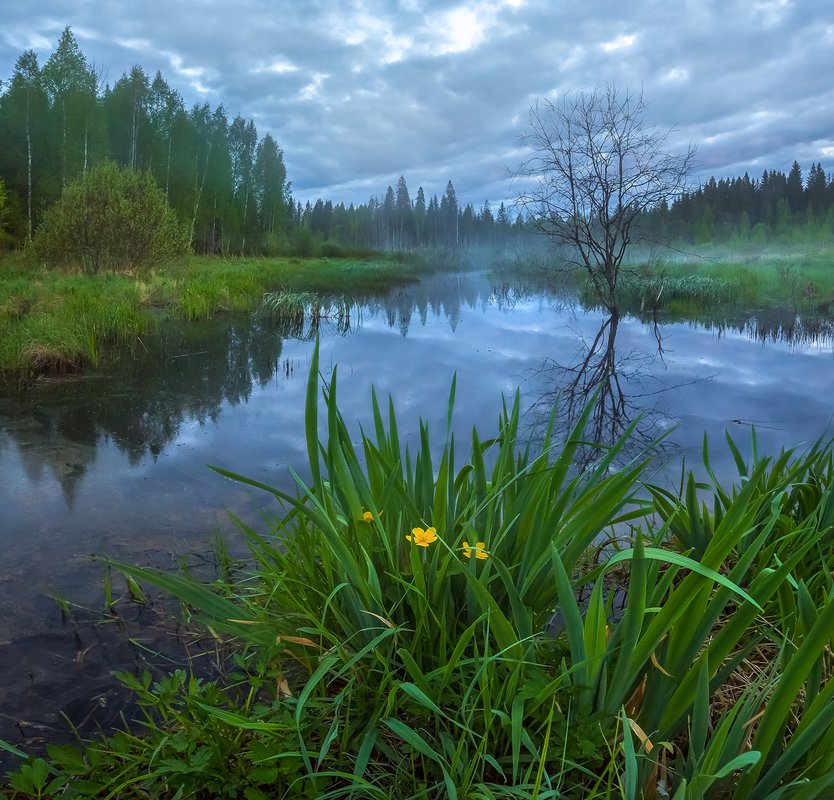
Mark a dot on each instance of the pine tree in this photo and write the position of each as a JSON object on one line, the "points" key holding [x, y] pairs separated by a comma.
{"points": [[793, 189], [449, 215], [388, 218], [403, 219], [420, 217], [433, 220], [815, 189]]}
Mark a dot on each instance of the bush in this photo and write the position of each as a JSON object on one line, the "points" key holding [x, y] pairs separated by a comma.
{"points": [[111, 219], [331, 250]]}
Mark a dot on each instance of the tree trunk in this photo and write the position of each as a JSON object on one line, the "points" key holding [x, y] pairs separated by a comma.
{"points": [[28, 170]]}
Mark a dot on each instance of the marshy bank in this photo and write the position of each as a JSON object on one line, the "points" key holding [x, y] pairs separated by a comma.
{"points": [[54, 323], [682, 284]]}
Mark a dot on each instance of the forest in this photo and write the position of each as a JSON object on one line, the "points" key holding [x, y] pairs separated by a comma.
{"points": [[59, 120], [228, 185]]}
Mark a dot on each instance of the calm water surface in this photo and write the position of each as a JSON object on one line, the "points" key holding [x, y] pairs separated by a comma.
{"points": [[115, 463]]}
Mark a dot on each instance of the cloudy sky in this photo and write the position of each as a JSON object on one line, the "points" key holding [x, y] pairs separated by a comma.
{"points": [[358, 92]]}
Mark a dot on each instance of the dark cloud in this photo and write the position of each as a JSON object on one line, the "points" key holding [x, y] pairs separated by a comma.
{"points": [[358, 92]]}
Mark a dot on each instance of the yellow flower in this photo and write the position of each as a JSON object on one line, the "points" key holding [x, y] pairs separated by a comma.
{"points": [[422, 538], [479, 548], [368, 516]]}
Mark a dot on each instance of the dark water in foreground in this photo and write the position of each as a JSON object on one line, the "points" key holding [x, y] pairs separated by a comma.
{"points": [[115, 463]]}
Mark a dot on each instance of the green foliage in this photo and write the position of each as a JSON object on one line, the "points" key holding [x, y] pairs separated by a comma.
{"points": [[600, 646], [724, 279], [69, 325], [55, 124], [775, 208], [304, 243], [659, 291], [109, 220]]}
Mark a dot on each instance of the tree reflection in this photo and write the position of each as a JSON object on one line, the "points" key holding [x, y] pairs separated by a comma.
{"points": [[771, 326], [623, 387], [184, 374], [190, 371]]}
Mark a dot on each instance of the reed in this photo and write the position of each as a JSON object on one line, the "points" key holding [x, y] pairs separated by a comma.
{"points": [[497, 625]]}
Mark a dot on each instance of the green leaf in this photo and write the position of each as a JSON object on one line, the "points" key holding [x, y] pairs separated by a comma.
{"points": [[667, 556], [412, 738]]}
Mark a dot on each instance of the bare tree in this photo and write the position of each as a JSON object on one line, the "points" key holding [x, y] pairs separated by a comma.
{"points": [[594, 168]]}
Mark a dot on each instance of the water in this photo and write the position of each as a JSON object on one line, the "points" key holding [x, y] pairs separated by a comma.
{"points": [[116, 463]]}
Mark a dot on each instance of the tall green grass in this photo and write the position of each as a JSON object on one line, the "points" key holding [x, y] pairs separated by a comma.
{"points": [[70, 325], [684, 284], [55, 322], [428, 625]]}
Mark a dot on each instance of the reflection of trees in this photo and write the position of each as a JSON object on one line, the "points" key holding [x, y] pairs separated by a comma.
{"points": [[185, 373], [189, 371], [776, 326], [622, 385], [438, 295]]}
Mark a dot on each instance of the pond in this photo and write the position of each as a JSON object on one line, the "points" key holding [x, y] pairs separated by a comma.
{"points": [[116, 462]]}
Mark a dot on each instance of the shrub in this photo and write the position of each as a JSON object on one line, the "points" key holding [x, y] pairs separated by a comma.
{"points": [[331, 250], [110, 219]]}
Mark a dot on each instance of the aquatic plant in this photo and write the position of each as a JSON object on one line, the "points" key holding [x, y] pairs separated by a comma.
{"points": [[414, 625]]}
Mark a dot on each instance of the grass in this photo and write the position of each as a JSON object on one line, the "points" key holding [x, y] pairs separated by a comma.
{"points": [[426, 625], [52, 322], [794, 277], [684, 285]]}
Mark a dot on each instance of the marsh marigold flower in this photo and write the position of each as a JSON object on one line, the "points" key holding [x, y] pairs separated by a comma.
{"points": [[478, 547], [422, 538]]}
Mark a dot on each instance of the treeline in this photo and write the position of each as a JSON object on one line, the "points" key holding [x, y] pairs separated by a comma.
{"points": [[775, 208], [778, 207], [227, 184], [396, 222]]}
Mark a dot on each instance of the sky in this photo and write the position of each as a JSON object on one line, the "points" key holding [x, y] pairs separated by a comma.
{"points": [[358, 93]]}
